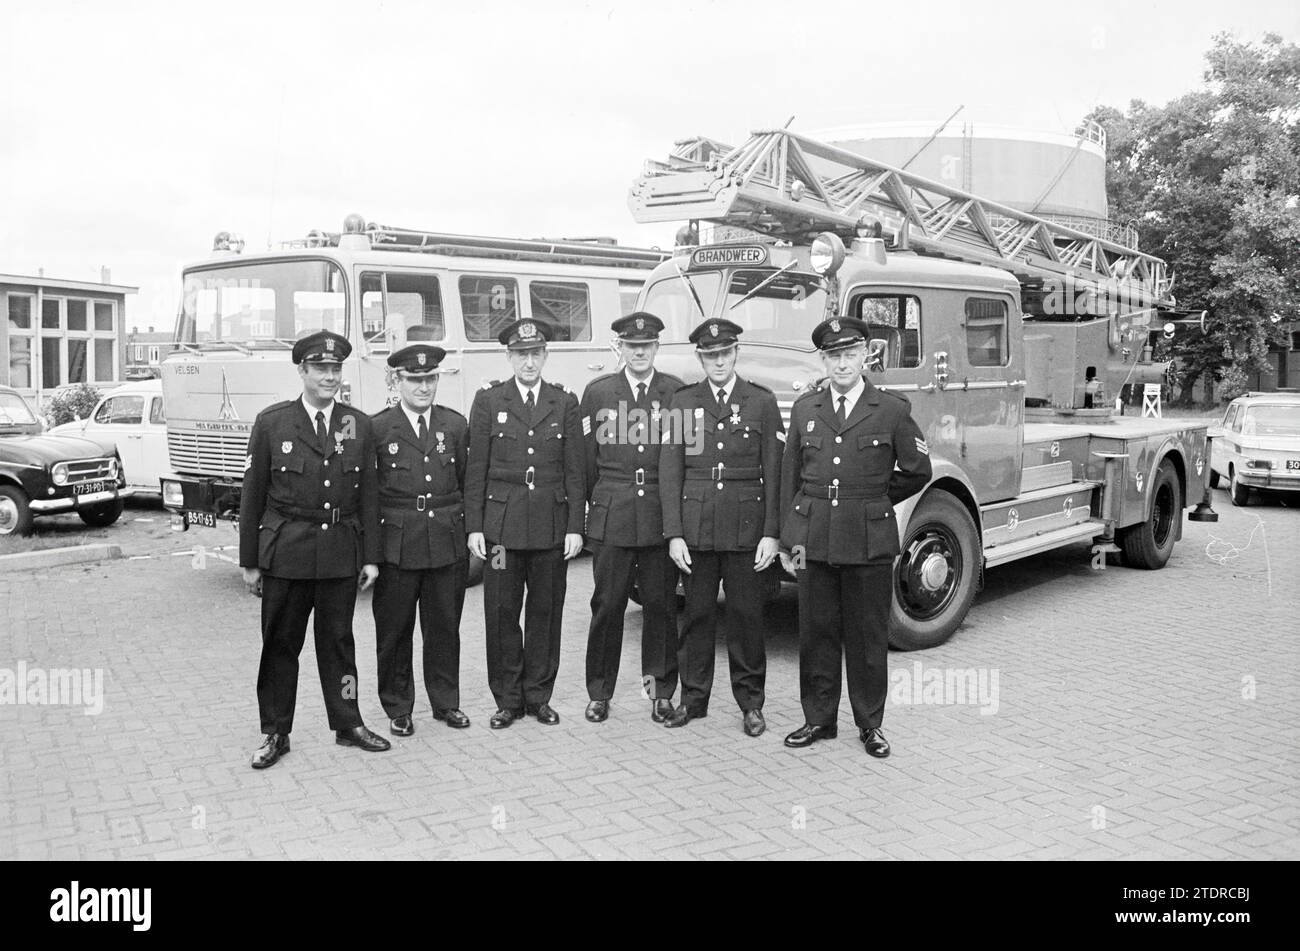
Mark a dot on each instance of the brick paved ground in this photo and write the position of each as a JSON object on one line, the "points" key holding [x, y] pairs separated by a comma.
{"points": [[1126, 727]]}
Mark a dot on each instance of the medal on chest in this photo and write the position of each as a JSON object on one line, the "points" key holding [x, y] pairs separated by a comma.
{"points": [[442, 445], [735, 414]]}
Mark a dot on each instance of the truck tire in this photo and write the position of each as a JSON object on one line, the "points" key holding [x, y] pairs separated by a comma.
{"points": [[102, 515], [1150, 544], [15, 514], [1240, 494], [935, 576], [475, 570]]}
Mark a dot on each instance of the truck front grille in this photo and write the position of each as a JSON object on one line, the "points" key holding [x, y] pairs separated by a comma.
{"points": [[209, 454]]}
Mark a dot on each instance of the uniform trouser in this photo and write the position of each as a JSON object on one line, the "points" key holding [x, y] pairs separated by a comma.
{"points": [[746, 654], [613, 568], [844, 608], [286, 603], [522, 664], [439, 595]]}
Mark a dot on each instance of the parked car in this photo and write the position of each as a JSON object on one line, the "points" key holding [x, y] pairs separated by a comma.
{"points": [[1258, 445], [129, 420], [44, 474]]}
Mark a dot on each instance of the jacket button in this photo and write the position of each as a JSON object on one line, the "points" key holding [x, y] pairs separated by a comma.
{"points": [[282, 469], [640, 448], [836, 460], [327, 483], [327, 505], [721, 446], [430, 514], [839, 439], [428, 478], [640, 491], [325, 463], [835, 481], [530, 432], [719, 485], [324, 527], [426, 458], [719, 425], [530, 450], [875, 442]]}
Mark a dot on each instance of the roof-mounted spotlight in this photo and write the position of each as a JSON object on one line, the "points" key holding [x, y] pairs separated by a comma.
{"points": [[227, 241]]}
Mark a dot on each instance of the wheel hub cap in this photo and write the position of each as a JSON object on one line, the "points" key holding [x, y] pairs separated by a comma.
{"points": [[934, 572]]}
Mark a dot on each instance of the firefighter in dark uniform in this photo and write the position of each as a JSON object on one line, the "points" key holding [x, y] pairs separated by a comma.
{"points": [[524, 491], [852, 454], [622, 420], [421, 452], [721, 516], [308, 536]]}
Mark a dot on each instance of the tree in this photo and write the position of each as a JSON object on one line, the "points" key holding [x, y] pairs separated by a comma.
{"points": [[1212, 179], [76, 402]]}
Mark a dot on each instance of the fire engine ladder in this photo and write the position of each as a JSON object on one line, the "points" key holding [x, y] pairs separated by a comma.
{"points": [[789, 186]]}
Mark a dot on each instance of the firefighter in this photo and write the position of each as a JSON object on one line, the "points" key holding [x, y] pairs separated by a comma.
{"points": [[721, 513], [852, 454], [420, 449], [524, 491], [308, 536], [622, 418]]}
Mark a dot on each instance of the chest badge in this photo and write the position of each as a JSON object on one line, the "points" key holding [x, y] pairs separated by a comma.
{"points": [[338, 443], [392, 448], [735, 414], [286, 447], [811, 425], [699, 412], [442, 445], [501, 416]]}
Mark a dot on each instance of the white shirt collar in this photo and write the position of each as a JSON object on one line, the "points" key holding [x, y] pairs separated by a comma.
{"points": [[850, 398], [727, 388], [633, 382], [535, 389], [415, 418], [312, 411]]}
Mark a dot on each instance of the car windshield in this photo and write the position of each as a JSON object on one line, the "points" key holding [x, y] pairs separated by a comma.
{"points": [[14, 411], [275, 301], [1276, 420]]}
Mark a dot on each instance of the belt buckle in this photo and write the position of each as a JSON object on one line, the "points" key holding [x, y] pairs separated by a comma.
{"points": [[833, 493], [528, 478], [420, 503], [715, 473], [640, 477], [334, 516]]}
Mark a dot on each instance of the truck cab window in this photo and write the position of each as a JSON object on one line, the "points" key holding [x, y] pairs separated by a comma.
{"points": [[894, 330], [566, 306], [413, 300], [986, 332], [489, 305]]}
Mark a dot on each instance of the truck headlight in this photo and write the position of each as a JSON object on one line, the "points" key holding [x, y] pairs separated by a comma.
{"points": [[172, 494], [826, 253], [60, 473]]}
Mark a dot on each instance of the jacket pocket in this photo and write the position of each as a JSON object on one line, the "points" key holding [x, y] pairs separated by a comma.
{"points": [[391, 530], [882, 531], [794, 526], [597, 513], [268, 532], [494, 516], [561, 514]]}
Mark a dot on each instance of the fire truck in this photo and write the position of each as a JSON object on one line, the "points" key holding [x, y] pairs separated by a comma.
{"points": [[1010, 335], [381, 288]]}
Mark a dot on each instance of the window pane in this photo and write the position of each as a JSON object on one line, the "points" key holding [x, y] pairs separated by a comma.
{"points": [[489, 305], [986, 332], [105, 364], [50, 314], [20, 312], [567, 307], [893, 331], [105, 411], [126, 409], [51, 367], [77, 315], [156, 414], [76, 361], [103, 315], [248, 303], [20, 362], [627, 294], [672, 301]]}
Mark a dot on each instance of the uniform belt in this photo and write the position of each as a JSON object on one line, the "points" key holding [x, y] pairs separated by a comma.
{"points": [[842, 492], [722, 473], [293, 513], [423, 502], [529, 477], [636, 477]]}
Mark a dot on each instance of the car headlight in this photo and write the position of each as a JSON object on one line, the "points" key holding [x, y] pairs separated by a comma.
{"points": [[1259, 463], [112, 468], [60, 473]]}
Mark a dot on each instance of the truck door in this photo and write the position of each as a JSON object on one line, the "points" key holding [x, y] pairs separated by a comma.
{"points": [[987, 372], [414, 300]]}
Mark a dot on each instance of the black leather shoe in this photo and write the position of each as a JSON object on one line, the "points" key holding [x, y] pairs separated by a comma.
{"points": [[273, 747], [545, 715], [682, 716], [452, 717], [503, 718], [402, 726], [808, 734], [598, 711], [754, 722], [875, 742], [661, 710], [360, 736]]}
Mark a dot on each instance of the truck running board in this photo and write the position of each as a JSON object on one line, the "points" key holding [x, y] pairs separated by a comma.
{"points": [[1034, 544]]}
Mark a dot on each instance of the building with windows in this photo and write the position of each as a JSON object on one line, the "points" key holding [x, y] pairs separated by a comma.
{"points": [[54, 332], [144, 352]]}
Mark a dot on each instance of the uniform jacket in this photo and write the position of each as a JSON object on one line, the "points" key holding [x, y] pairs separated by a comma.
{"points": [[421, 501], [622, 440], [304, 512], [742, 446], [507, 451], [857, 460]]}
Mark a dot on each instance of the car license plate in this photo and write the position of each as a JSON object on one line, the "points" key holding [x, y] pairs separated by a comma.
{"points": [[206, 519], [89, 488], [1293, 463]]}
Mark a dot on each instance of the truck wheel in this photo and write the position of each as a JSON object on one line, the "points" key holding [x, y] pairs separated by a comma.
{"points": [[475, 570], [935, 577], [102, 515], [1239, 493], [1150, 544], [15, 515]]}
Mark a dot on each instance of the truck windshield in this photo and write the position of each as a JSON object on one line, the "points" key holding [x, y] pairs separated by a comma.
{"points": [[248, 304], [783, 311]]}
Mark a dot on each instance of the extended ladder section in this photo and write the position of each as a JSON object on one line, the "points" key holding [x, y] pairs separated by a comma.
{"points": [[792, 187], [594, 252]]}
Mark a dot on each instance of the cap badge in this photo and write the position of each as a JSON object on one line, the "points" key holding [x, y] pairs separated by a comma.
{"points": [[329, 345], [713, 330], [835, 326], [286, 447], [640, 323], [421, 358], [527, 331]]}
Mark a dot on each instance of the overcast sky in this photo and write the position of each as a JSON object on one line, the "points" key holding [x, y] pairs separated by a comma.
{"points": [[131, 132]]}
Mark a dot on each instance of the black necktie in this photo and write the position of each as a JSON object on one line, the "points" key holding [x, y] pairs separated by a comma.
{"points": [[322, 434], [529, 405], [424, 433], [722, 402], [640, 393], [842, 414]]}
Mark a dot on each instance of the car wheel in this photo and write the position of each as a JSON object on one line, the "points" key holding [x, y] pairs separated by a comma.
{"points": [[102, 515], [1150, 544], [1239, 493], [936, 575], [15, 514]]}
